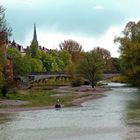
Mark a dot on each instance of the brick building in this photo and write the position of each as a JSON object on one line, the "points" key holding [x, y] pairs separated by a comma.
{"points": [[8, 69]]}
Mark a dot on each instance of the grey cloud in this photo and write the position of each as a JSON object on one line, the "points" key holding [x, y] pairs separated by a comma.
{"points": [[70, 16]]}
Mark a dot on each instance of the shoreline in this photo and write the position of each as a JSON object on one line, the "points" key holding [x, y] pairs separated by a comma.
{"points": [[96, 94], [79, 101]]}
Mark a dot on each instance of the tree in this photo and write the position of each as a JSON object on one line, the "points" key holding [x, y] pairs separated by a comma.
{"points": [[60, 63], [36, 65], [17, 60], [24, 65], [4, 27], [30, 65], [65, 57], [71, 70], [74, 48], [49, 62], [117, 66], [106, 55], [130, 52], [91, 67]]}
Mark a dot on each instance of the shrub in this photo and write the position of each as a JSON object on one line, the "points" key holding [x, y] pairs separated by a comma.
{"points": [[77, 81]]}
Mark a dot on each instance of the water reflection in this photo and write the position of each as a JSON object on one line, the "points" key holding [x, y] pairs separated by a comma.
{"points": [[4, 118], [132, 120], [115, 117]]}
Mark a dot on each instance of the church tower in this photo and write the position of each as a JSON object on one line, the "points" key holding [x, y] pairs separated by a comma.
{"points": [[34, 47], [34, 41]]}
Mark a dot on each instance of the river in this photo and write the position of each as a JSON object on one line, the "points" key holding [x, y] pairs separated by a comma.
{"points": [[114, 117]]}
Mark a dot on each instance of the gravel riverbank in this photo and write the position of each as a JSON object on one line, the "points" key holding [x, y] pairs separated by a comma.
{"points": [[92, 94]]}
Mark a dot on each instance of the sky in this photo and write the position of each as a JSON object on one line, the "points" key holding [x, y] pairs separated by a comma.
{"points": [[92, 23]]}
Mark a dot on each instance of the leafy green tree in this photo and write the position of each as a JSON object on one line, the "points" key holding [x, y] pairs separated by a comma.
{"points": [[36, 65], [49, 62], [17, 60], [65, 57], [130, 52], [117, 65], [21, 65], [62, 58], [55, 60], [91, 67], [60, 63], [24, 65]]}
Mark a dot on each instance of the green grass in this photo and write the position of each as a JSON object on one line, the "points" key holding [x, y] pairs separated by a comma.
{"points": [[37, 98]]}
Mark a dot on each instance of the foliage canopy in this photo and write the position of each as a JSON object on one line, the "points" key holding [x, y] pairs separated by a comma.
{"points": [[130, 52]]}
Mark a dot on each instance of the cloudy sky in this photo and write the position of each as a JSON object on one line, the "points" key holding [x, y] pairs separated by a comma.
{"points": [[92, 23]]}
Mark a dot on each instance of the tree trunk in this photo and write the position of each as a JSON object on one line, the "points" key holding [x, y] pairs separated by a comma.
{"points": [[93, 85]]}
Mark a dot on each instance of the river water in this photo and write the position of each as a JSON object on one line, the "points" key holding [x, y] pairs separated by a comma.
{"points": [[114, 117]]}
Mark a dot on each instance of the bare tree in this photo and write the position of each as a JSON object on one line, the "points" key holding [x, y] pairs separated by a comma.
{"points": [[73, 47], [106, 56]]}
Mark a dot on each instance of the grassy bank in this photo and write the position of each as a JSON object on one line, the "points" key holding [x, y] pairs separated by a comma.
{"points": [[39, 98], [117, 79]]}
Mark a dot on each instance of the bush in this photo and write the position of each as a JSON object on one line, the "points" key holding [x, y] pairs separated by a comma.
{"points": [[77, 81]]}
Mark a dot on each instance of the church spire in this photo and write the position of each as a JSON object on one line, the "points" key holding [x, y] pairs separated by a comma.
{"points": [[35, 35], [35, 41]]}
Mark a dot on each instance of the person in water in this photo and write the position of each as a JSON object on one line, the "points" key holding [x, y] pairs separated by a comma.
{"points": [[58, 104]]}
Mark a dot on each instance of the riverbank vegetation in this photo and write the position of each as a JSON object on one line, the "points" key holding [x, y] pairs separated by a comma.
{"points": [[118, 79], [130, 52]]}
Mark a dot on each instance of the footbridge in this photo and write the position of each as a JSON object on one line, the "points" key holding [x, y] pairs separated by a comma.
{"points": [[45, 75], [110, 75]]}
